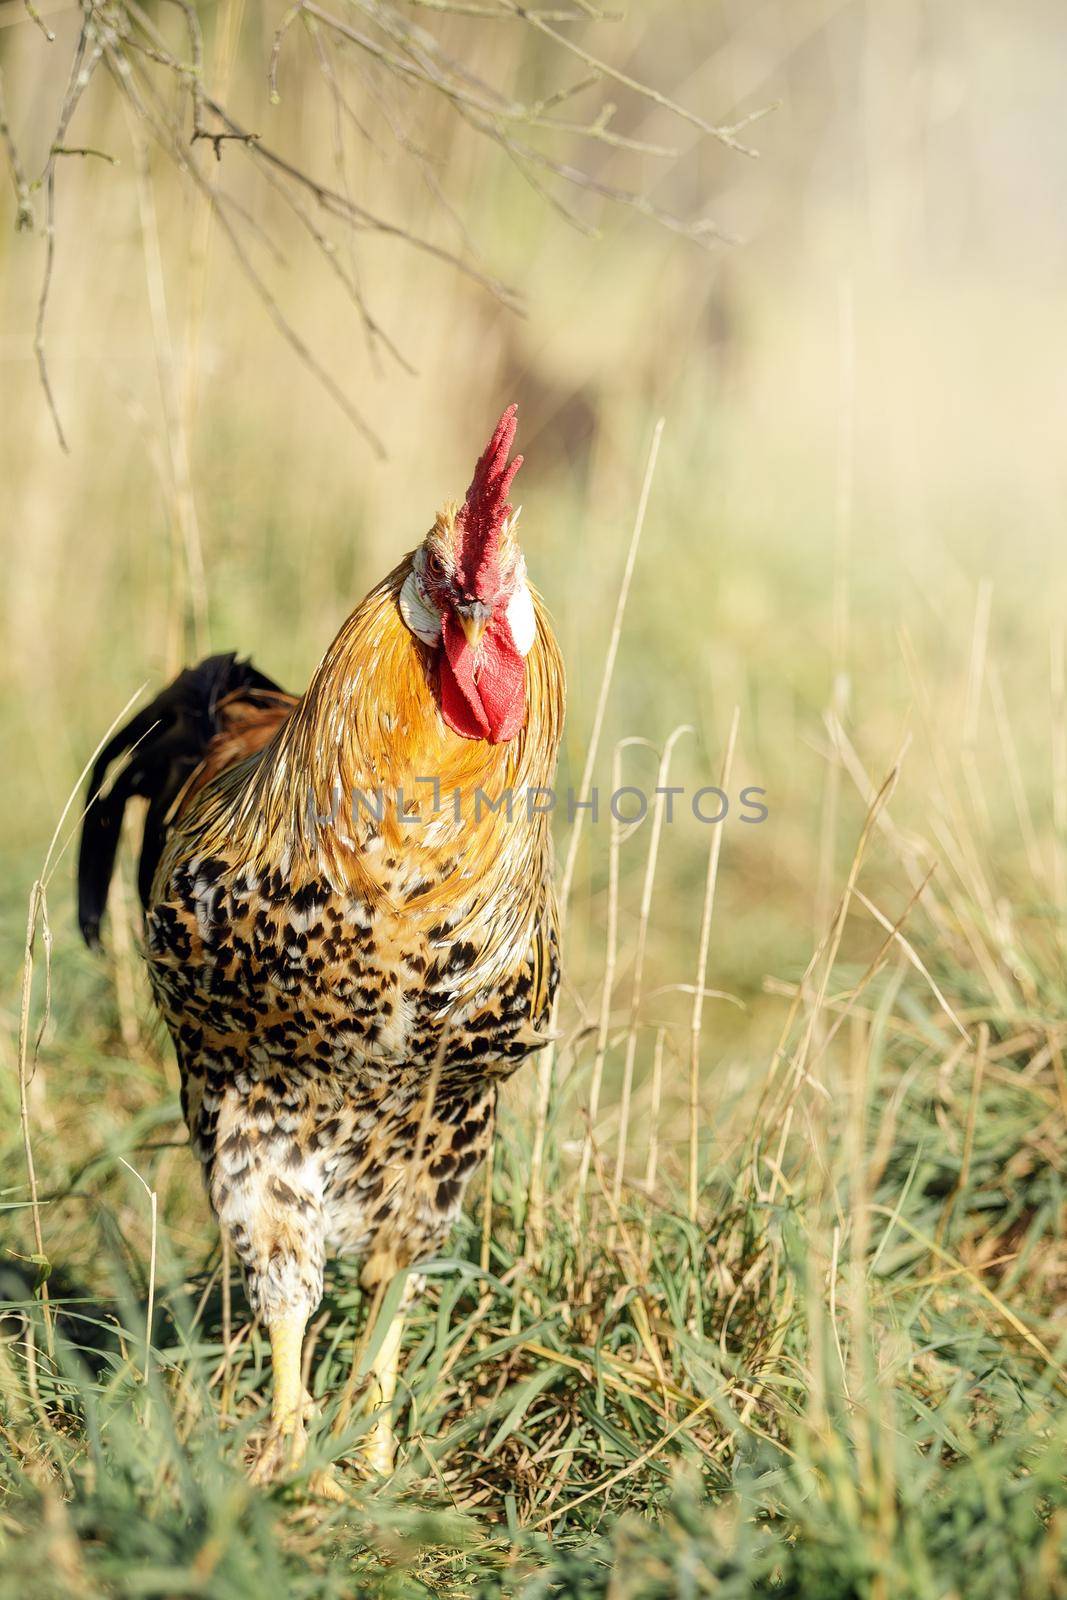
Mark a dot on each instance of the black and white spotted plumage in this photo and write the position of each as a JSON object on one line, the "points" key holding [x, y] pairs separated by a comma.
{"points": [[346, 998]]}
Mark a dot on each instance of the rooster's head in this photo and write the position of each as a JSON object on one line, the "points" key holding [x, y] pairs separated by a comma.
{"points": [[466, 597]]}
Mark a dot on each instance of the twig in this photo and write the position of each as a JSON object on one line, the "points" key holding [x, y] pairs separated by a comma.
{"points": [[282, 29], [35, 16], [654, 1111], [608, 673], [920, 966], [81, 70], [826, 953], [150, 1309], [351, 278], [724, 135], [372, 328], [23, 204], [415, 59], [607, 992], [424, 63], [181, 486], [546, 1062], [960, 1189], [121, 70], [644, 914], [470, 8], [696, 1019], [84, 150], [24, 1075], [217, 140], [38, 913]]}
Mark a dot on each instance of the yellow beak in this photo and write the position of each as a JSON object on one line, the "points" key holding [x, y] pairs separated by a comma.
{"points": [[473, 628]]}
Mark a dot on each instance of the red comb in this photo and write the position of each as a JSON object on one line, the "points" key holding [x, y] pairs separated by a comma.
{"points": [[482, 514]]}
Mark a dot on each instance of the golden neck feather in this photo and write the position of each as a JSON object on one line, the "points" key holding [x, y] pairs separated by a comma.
{"points": [[369, 725]]}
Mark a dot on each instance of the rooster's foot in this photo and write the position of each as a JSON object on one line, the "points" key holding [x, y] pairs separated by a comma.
{"points": [[280, 1452], [377, 1448], [324, 1484]]}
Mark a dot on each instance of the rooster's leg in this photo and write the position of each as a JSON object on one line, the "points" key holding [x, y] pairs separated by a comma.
{"points": [[286, 1442], [267, 1194], [378, 1444], [287, 1406], [286, 1439]]}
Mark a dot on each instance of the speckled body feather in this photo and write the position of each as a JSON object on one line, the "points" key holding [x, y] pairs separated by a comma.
{"points": [[346, 992]]}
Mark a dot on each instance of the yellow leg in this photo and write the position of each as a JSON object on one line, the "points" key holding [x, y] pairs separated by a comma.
{"points": [[378, 1444], [286, 1349], [286, 1438], [286, 1443]]}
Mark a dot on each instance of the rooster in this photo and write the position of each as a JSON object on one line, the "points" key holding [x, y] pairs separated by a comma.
{"points": [[349, 921]]}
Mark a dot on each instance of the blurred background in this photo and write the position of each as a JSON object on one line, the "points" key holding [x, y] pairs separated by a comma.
{"points": [[858, 503]]}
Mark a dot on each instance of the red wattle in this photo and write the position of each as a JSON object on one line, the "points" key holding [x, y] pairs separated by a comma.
{"points": [[482, 697]]}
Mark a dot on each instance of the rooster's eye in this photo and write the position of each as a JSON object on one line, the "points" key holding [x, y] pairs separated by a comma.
{"points": [[434, 565]]}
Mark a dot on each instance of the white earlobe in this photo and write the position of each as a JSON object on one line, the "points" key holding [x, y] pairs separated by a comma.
{"points": [[521, 620], [423, 620]]}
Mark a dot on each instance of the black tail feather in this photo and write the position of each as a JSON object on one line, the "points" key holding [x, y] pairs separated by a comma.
{"points": [[164, 742]]}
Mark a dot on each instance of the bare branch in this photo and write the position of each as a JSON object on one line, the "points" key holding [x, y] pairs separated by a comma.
{"points": [[339, 205], [351, 279], [86, 55], [396, 56], [645, 90], [122, 73], [35, 16], [418, 155], [218, 139], [84, 150], [276, 49], [470, 8], [329, 251], [23, 205]]}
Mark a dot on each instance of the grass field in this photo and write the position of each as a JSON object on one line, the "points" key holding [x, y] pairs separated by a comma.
{"points": [[808, 1341]]}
